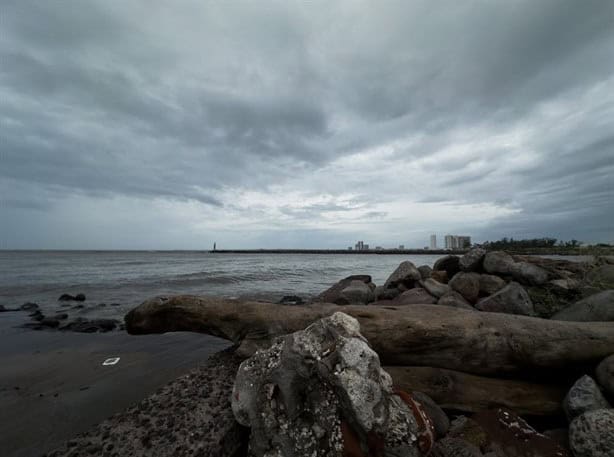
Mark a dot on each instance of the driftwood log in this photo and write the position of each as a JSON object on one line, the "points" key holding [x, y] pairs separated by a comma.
{"points": [[417, 335], [470, 393]]}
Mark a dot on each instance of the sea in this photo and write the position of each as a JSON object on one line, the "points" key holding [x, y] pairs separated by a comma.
{"points": [[116, 281]]}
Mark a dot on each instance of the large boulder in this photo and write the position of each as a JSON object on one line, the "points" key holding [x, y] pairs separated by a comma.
{"points": [[381, 293], [498, 262], [605, 375], [596, 308], [455, 300], [415, 296], [425, 271], [356, 293], [333, 293], [450, 264], [592, 434], [472, 260], [584, 396], [435, 288], [512, 299], [548, 299], [528, 273], [490, 284], [321, 392], [440, 276], [466, 284], [405, 275]]}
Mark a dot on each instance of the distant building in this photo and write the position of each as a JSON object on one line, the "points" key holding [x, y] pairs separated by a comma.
{"points": [[379, 248], [464, 242], [433, 241], [401, 246], [457, 242], [365, 247], [350, 248], [359, 246]]}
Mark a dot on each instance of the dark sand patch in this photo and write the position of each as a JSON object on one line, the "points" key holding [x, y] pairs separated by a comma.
{"points": [[53, 385]]}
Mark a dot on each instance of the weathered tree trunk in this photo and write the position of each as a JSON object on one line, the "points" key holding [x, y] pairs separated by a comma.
{"points": [[415, 335], [465, 392]]}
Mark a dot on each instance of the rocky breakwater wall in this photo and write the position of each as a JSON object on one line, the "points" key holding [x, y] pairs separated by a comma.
{"points": [[471, 336]]}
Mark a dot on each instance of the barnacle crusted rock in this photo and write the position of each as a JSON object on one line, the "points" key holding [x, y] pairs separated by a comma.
{"points": [[318, 391]]}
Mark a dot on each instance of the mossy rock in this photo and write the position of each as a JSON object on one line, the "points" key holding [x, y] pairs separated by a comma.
{"points": [[550, 300]]}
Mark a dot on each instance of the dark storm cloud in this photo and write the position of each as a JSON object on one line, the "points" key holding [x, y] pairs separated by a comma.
{"points": [[500, 104]]}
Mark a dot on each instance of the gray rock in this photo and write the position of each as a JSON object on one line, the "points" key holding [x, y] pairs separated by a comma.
{"points": [[472, 261], [37, 315], [425, 271], [466, 284], [416, 296], [512, 299], [435, 288], [356, 293], [440, 276], [498, 262], [68, 297], [381, 293], [450, 264], [583, 396], [455, 300], [332, 294], [455, 447], [440, 420], [406, 274], [592, 434], [302, 395], [490, 284], [605, 375], [596, 308], [290, 300], [527, 273]]}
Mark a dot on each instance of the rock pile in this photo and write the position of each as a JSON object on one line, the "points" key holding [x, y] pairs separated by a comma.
{"points": [[490, 281]]}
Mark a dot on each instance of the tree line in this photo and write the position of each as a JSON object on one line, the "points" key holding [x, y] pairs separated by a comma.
{"points": [[511, 243]]}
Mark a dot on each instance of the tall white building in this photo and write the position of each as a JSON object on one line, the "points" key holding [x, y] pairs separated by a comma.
{"points": [[457, 242], [433, 241]]}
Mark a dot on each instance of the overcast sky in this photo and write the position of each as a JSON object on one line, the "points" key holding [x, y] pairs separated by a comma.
{"points": [[171, 125]]}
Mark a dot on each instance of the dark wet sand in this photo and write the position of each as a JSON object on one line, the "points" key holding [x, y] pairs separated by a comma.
{"points": [[53, 385]]}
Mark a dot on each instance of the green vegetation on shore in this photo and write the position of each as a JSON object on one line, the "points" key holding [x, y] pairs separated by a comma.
{"points": [[548, 246]]}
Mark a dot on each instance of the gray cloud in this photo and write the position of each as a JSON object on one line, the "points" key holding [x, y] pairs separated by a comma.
{"points": [[390, 121]]}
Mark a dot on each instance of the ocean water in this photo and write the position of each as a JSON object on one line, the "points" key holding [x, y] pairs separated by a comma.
{"points": [[126, 278]]}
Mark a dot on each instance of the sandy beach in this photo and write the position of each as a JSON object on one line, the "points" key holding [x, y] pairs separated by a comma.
{"points": [[53, 385]]}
